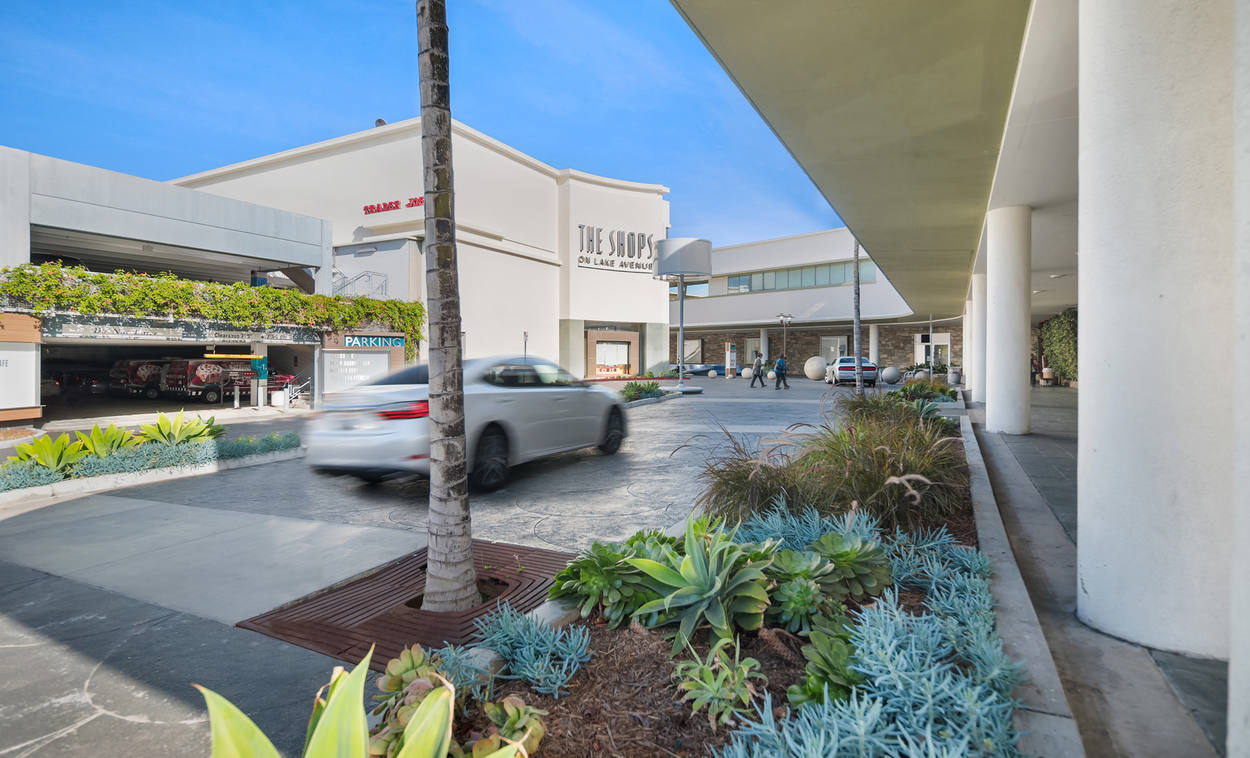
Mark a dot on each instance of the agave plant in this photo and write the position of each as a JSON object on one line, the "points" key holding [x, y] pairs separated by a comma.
{"points": [[177, 430], [862, 564], [53, 454], [338, 726], [104, 442], [927, 409], [602, 579], [807, 587], [829, 671], [718, 582]]}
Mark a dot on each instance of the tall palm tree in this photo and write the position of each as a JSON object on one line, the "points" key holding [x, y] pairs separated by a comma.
{"points": [[859, 361], [451, 583]]}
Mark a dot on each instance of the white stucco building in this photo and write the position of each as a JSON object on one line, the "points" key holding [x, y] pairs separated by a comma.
{"points": [[554, 261], [808, 279]]}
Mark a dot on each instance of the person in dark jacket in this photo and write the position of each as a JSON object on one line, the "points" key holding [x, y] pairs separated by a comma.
{"points": [[780, 368], [757, 371]]}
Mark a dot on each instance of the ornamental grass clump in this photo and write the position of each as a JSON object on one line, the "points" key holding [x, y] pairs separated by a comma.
{"points": [[745, 478], [908, 475]]}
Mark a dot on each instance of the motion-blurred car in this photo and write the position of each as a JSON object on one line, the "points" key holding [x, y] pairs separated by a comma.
{"points": [[700, 369], [843, 370], [516, 409]]}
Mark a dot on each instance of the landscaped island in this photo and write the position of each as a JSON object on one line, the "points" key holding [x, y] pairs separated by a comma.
{"points": [[829, 601]]}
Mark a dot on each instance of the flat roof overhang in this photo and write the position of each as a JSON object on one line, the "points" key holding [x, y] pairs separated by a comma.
{"points": [[896, 111], [102, 252]]}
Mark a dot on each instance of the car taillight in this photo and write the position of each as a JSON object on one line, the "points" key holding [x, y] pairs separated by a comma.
{"points": [[419, 409]]}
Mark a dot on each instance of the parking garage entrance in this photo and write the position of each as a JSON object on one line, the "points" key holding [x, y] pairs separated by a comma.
{"points": [[93, 366]]}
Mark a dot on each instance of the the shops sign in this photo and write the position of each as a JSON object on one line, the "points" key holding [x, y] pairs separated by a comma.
{"points": [[362, 340], [615, 249]]}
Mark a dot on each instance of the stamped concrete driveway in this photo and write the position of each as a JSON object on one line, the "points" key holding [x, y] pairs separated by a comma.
{"points": [[111, 604]]}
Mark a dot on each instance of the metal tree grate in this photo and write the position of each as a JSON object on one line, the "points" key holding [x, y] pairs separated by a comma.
{"points": [[343, 621]]}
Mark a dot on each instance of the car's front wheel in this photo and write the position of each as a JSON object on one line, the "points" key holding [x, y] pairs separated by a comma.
{"points": [[614, 434], [490, 462]]}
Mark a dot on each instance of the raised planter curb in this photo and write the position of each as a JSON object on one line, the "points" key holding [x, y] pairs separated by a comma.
{"points": [[1043, 717], [107, 482], [652, 400]]}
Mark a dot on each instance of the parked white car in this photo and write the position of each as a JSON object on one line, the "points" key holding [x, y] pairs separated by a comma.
{"points": [[843, 371], [516, 409]]}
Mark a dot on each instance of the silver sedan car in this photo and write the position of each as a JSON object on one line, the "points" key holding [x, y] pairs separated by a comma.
{"points": [[516, 409]]}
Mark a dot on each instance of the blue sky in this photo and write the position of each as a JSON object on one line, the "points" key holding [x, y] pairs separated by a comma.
{"points": [[621, 88]]}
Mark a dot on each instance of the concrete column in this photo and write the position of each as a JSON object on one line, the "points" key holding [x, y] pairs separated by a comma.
{"points": [[965, 352], [976, 367], [874, 343], [323, 275], [1008, 245], [1239, 605], [14, 207], [764, 343], [1156, 465]]}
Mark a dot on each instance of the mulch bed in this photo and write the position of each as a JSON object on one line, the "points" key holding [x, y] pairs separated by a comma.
{"points": [[623, 702]]}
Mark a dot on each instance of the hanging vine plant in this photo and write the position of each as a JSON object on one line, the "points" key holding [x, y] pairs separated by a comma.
{"points": [[49, 287], [1059, 342]]}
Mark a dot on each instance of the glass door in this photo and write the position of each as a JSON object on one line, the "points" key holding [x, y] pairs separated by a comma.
{"points": [[833, 348]]}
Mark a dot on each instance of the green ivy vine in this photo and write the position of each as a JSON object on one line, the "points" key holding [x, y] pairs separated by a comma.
{"points": [[1059, 342], [51, 287]]}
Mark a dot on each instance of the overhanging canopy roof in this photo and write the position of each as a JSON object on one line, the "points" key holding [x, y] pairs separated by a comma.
{"points": [[894, 108]]}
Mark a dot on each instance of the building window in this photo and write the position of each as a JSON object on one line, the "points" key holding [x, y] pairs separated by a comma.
{"points": [[753, 347], [740, 283], [827, 274], [832, 348], [694, 351], [612, 358], [770, 280]]}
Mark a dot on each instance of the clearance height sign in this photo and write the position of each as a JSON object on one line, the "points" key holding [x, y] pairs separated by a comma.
{"points": [[615, 249]]}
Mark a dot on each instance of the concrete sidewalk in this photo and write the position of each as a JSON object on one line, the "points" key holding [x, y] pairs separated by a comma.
{"points": [[1123, 702]]}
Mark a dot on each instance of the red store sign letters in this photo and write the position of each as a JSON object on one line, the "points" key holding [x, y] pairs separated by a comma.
{"points": [[394, 205]]}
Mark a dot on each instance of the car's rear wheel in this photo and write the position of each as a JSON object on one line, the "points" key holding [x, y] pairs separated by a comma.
{"points": [[614, 434], [370, 477], [490, 461]]}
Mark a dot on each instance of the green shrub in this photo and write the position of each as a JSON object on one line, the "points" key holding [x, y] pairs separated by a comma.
{"points": [[15, 475], [638, 390], [1059, 341], [876, 406], [54, 454], [104, 442], [245, 446], [924, 389]]}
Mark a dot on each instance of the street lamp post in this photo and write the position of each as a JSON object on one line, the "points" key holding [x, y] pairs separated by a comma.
{"points": [[676, 259], [784, 319]]}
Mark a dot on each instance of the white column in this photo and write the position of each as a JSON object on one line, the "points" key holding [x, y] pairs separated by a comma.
{"points": [[965, 353], [1155, 464], [1008, 246], [763, 344], [1239, 654], [976, 373], [874, 343]]}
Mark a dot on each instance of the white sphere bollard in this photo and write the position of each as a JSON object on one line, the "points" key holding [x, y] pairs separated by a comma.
{"points": [[712, 373], [814, 368], [748, 372], [921, 375], [772, 375], [891, 375]]}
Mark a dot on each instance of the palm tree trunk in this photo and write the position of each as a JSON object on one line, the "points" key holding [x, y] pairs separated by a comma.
{"points": [[859, 361], [451, 583]]}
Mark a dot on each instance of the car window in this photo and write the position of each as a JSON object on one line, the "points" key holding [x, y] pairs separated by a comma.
{"points": [[410, 375], [512, 375], [553, 376]]}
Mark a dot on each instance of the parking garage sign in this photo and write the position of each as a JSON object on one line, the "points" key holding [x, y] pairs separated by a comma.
{"points": [[367, 340]]}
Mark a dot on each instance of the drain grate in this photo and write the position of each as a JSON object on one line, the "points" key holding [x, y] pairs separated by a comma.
{"points": [[344, 621]]}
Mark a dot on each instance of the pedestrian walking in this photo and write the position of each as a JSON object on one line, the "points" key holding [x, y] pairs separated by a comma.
{"points": [[757, 371], [780, 368]]}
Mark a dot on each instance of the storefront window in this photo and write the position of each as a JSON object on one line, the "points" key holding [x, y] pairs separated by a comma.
{"points": [[612, 358], [694, 351]]}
